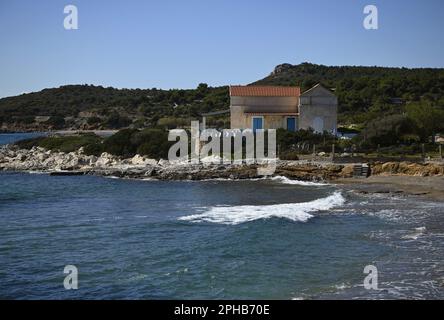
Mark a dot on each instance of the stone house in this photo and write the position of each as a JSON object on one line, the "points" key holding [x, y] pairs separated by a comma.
{"points": [[272, 107]]}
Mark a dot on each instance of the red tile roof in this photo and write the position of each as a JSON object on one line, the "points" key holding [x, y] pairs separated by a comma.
{"points": [[264, 91]]}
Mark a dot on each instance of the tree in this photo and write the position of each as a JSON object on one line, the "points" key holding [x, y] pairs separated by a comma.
{"points": [[153, 143], [56, 122], [428, 119], [388, 130], [116, 121], [121, 143], [93, 120]]}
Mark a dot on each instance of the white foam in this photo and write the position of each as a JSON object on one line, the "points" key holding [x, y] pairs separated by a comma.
{"points": [[342, 286], [37, 172], [281, 179], [285, 180], [148, 179], [292, 211], [416, 234], [112, 177]]}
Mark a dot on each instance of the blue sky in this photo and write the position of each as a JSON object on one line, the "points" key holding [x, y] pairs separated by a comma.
{"points": [[178, 44]]}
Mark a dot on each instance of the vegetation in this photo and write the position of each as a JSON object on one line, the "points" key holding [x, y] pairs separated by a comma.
{"points": [[389, 107], [109, 108], [62, 143], [152, 143], [366, 93]]}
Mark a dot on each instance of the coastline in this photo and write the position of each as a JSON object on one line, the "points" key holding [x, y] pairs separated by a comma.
{"points": [[390, 178], [138, 167]]}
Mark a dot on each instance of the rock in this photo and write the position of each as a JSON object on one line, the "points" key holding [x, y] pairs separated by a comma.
{"points": [[12, 158], [20, 157], [347, 171], [142, 161], [163, 162], [104, 160], [150, 172], [408, 168], [70, 165]]}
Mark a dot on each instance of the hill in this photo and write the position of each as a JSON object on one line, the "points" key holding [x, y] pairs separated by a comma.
{"points": [[96, 107], [365, 94]]}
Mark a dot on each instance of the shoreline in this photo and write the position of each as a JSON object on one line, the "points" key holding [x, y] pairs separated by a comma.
{"points": [[431, 188], [391, 177], [38, 159]]}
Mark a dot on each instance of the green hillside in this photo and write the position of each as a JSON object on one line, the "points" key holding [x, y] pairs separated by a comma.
{"points": [[365, 94], [96, 107]]}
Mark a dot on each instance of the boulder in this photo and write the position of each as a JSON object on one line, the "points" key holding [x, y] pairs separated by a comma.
{"points": [[105, 159], [139, 160]]}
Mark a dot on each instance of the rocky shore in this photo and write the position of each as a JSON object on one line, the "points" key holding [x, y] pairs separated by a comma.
{"points": [[38, 159]]}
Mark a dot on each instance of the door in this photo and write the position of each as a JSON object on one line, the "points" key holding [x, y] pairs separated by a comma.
{"points": [[258, 123], [291, 124], [318, 124]]}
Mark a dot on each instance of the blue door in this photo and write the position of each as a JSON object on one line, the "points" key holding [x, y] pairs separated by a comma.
{"points": [[257, 124], [291, 124]]}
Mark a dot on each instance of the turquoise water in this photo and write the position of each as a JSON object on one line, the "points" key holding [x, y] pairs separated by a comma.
{"points": [[262, 239]]}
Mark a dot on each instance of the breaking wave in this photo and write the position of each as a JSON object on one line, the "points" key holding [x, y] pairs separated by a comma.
{"points": [[280, 179], [418, 232], [293, 211], [285, 180]]}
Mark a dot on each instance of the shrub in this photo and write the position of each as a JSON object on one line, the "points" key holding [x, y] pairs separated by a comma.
{"points": [[387, 131], [125, 143], [29, 143], [56, 122], [139, 123], [121, 143], [289, 155], [95, 149], [93, 120], [172, 123], [428, 119], [63, 143], [26, 120], [116, 121], [153, 143], [288, 140]]}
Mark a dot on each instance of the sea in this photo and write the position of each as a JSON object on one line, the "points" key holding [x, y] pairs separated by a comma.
{"points": [[270, 238]]}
